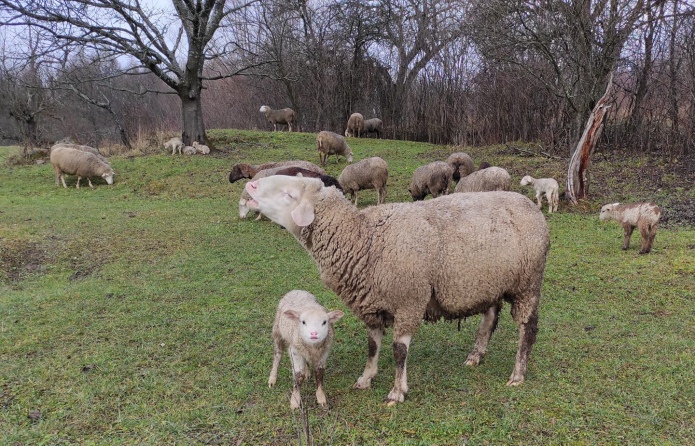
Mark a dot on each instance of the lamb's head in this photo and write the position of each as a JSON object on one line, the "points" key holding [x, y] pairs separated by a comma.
{"points": [[607, 211], [314, 324], [526, 180], [288, 201]]}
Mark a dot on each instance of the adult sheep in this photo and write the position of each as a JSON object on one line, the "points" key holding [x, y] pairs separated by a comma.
{"points": [[401, 263], [329, 143], [374, 125], [433, 178], [644, 216], [82, 148], [490, 179], [243, 170], [285, 116], [462, 164], [355, 125], [71, 161], [369, 173]]}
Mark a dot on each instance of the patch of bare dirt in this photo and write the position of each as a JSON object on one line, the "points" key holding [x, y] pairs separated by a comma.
{"points": [[19, 258]]}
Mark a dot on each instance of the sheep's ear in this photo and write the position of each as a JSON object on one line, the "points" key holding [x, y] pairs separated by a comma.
{"points": [[335, 315], [299, 174], [303, 214], [292, 315]]}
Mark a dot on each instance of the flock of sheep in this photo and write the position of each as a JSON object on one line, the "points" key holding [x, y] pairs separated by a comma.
{"points": [[395, 264]]}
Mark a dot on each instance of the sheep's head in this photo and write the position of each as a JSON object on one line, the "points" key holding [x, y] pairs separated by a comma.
{"points": [[264, 109], [314, 324], [108, 176], [526, 180], [607, 211]]}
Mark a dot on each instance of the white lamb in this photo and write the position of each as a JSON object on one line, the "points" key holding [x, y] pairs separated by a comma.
{"points": [[547, 186], [305, 329], [201, 148]]}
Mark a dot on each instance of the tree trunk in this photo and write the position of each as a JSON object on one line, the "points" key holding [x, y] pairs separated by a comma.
{"points": [[192, 115], [576, 174]]}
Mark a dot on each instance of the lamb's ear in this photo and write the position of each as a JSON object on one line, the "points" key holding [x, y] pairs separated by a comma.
{"points": [[335, 315], [292, 315], [303, 214]]}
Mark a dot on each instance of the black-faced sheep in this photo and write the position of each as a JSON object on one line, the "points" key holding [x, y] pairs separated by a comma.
{"points": [[71, 161], [305, 329], [355, 125], [243, 170], [401, 263], [433, 178], [175, 144], [489, 179], [285, 116], [369, 173], [547, 186], [644, 216], [329, 143], [374, 125], [462, 164]]}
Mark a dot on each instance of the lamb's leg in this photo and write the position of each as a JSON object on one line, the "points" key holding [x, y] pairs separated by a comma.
{"points": [[525, 314], [299, 373], [400, 355], [646, 233], [627, 229], [487, 326], [375, 335], [320, 394], [62, 178], [538, 199], [277, 356]]}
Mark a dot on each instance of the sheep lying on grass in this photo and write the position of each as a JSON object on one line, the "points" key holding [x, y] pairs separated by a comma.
{"points": [[433, 178], [462, 164], [398, 264], [201, 148], [175, 144], [644, 216], [329, 143], [71, 161], [369, 173], [189, 150], [305, 329], [547, 186], [355, 125], [243, 170], [485, 180], [285, 116]]}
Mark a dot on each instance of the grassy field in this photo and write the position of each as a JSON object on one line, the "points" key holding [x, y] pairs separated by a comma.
{"points": [[140, 313]]}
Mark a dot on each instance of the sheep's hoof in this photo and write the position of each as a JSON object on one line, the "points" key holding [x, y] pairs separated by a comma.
{"points": [[513, 382], [473, 360], [395, 397], [391, 403], [363, 383]]}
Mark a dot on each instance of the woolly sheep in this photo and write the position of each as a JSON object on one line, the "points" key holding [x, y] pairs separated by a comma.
{"points": [[644, 216], [433, 178], [547, 186], [355, 125], [329, 143], [462, 164], [82, 148], [201, 148], [285, 116], [369, 173], [189, 150], [243, 170], [374, 125], [66, 160], [401, 263], [489, 179], [175, 143], [305, 329]]}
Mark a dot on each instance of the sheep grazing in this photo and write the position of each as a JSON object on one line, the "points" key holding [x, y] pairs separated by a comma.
{"points": [[489, 179], [369, 173], [374, 125], [285, 116], [462, 164], [175, 144], [644, 216], [355, 125], [401, 263], [71, 161], [329, 143], [243, 170], [201, 148], [305, 329], [433, 178], [82, 148], [547, 186], [189, 150]]}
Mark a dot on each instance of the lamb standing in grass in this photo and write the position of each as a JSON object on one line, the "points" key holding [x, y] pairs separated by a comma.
{"points": [[329, 143], [285, 116], [305, 329], [485, 180], [175, 144], [355, 125], [433, 178], [66, 160], [547, 186], [644, 216], [369, 173], [398, 264]]}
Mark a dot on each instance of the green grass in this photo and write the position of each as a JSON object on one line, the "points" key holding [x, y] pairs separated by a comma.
{"points": [[140, 313]]}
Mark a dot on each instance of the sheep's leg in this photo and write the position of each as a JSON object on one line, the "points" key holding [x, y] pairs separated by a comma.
{"points": [[90, 182], [278, 348], [646, 233], [400, 355], [299, 373], [320, 394], [78, 182], [487, 326], [538, 199], [355, 194], [627, 229], [375, 335], [525, 314]]}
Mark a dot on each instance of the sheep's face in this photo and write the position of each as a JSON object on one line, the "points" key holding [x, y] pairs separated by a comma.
{"points": [[285, 200], [264, 109], [108, 176], [525, 180], [607, 211], [314, 324], [243, 208]]}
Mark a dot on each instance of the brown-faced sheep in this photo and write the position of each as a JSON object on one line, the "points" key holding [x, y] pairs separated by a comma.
{"points": [[369, 173], [70, 161], [644, 216], [355, 125], [374, 125], [175, 144], [285, 116], [401, 263], [433, 178], [329, 143], [462, 164], [243, 170], [490, 179], [547, 186], [305, 329]]}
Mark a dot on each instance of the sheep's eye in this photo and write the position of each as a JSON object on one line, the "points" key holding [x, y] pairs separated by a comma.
{"points": [[304, 322], [324, 323]]}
